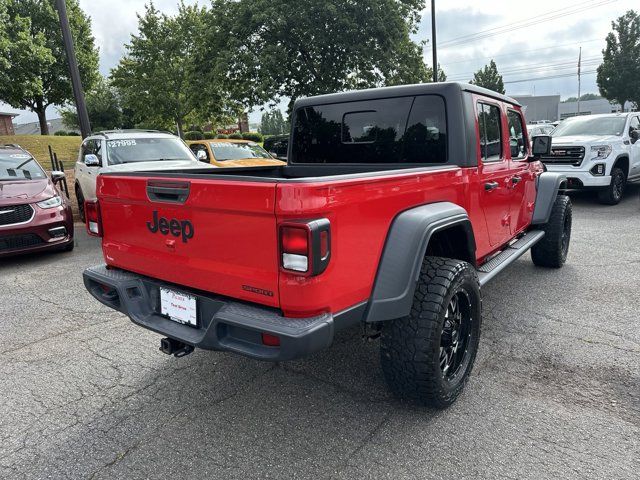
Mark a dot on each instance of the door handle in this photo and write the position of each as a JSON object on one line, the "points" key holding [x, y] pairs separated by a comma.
{"points": [[490, 186], [516, 179]]}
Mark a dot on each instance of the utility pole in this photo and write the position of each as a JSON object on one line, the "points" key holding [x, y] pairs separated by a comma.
{"points": [[433, 37], [78, 93], [579, 65]]}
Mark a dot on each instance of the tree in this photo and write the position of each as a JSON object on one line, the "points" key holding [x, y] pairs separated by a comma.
{"points": [[159, 77], [295, 48], [488, 77], [620, 69], [273, 123], [103, 107], [36, 72], [442, 77]]}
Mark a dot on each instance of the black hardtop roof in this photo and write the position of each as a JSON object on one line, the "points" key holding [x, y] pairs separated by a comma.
{"points": [[443, 88]]}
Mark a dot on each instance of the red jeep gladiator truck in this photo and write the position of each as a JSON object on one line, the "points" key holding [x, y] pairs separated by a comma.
{"points": [[395, 207]]}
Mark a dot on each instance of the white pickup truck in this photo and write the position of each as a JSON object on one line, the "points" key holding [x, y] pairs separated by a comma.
{"points": [[128, 151], [599, 152]]}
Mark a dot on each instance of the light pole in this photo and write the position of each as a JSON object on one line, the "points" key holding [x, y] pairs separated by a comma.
{"points": [[76, 83], [433, 38]]}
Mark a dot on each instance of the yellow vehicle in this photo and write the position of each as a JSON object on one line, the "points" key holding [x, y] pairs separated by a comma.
{"points": [[232, 153]]}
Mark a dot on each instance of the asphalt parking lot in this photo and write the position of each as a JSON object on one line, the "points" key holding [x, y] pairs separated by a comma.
{"points": [[555, 392]]}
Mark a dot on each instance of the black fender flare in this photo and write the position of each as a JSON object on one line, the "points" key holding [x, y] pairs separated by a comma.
{"points": [[547, 186], [404, 250], [625, 156]]}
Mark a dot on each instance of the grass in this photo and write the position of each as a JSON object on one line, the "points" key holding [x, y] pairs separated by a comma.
{"points": [[65, 147]]}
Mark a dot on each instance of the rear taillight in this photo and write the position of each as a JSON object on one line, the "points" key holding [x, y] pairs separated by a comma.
{"points": [[92, 218], [305, 246]]}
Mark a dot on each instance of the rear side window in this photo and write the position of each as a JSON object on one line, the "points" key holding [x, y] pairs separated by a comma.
{"points": [[394, 130], [517, 144], [490, 132]]}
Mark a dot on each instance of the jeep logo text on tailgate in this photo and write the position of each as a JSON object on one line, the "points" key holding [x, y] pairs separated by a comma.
{"points": [[177, 228]]}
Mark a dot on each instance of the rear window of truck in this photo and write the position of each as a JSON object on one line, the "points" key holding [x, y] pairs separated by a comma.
{"points": [[401, 130]]}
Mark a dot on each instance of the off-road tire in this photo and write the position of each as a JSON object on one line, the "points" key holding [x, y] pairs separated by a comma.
{"points": [[80, 199], [612, 194], [410, 347], [552, 250]]}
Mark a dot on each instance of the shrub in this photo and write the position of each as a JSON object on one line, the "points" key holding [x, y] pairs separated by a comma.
{"points": [[194, 135], [253, 136], [209, 135], [71, 133], [60, 133], [235, 136], [222, 135]]}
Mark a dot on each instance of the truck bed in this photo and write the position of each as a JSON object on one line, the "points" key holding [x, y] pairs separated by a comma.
{"points": [[234, 250]]}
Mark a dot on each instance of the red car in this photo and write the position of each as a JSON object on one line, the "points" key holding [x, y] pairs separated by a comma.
{"points": [[395, 207], [34, 215]]}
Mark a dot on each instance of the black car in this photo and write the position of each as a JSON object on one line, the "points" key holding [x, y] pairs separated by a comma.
{"points": [[277, 145]]}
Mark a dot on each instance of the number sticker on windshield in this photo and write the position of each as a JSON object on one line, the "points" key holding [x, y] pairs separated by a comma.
{"points": [[19, 155], [122, 143]]}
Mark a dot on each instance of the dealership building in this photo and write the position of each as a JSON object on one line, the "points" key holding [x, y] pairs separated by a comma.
{"points": [[549, 107]]}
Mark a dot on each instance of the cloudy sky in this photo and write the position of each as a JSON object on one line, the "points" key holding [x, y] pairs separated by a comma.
{"points": [[535, 44]]}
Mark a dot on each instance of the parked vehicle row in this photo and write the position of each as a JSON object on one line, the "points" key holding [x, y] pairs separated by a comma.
{"points": [[395, 206], [151, 150]]}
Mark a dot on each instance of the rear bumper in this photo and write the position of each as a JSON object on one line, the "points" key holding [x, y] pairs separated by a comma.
{"points": [[222, 323]]}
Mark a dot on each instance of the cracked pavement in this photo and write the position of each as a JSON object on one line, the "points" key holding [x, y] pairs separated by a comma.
{"points": [[555, 392]]}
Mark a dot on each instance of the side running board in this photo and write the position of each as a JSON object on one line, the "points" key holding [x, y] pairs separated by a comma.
{"points": [[509, 255]]}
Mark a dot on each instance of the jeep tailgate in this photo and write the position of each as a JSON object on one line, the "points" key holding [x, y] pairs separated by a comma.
{"points": [[210, 234]]}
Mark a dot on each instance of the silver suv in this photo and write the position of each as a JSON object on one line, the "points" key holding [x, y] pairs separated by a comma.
{"points": [[128, 150]]}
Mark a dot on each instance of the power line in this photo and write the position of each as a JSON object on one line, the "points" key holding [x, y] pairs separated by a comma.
{"points": [[512, 24], [539, 66], [493, 57], [535, 79], [577, 8]]}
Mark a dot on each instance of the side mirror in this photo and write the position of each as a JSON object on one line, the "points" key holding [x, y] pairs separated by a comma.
{"points": [[57, 176], [91, 160], [201, 155], [541, 146], [634, 135]]}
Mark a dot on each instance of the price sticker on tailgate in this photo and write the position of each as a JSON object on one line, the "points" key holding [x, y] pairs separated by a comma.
{"points": [[179, 307]]}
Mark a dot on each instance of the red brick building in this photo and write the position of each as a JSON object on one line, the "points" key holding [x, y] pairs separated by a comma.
{"points": [[6, 123]]}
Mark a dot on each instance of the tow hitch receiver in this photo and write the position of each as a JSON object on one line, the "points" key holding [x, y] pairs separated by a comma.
{"points": [[175, 348]]}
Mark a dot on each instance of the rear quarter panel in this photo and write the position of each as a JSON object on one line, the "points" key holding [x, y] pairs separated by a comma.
{"points": [[361, 212]]}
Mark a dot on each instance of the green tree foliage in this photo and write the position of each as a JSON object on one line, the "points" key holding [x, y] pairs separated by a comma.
{"points": [[4, 43], [103, 107], [442, 77], [273, 123], [488, 77], [35, 72], [620, 69], [268, 49], [159, 77]]}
